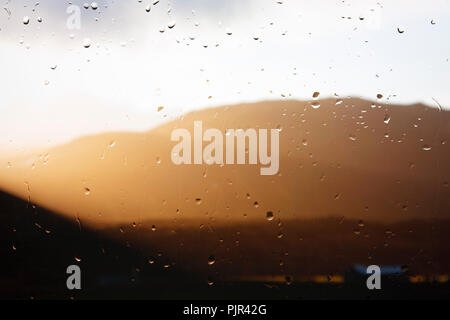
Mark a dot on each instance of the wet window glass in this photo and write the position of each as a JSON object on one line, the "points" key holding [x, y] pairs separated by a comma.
{"points": [[197, 149]]}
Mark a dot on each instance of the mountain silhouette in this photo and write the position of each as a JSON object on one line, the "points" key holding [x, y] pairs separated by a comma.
{"points": [[359, 182]]}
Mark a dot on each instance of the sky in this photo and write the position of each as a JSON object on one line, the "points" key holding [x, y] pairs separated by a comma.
{"points": [[54, 89]]}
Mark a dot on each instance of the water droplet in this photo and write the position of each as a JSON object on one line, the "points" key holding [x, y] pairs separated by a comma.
{"points": [[426, 147], [86, 43], [256, 204], [316, 95], [94, 5], [379, 96], [39, 19], [87, 191], [228, 31], [148, 8], [77, 259], [211, 260], [160, 108], [315, 104], [153, 228], [400, 30], [269, 215], [387, 118], [198, 201], [433, 22], [171, 24], [352, 137], [26, 20]]}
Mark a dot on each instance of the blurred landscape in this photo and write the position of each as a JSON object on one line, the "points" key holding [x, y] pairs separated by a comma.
{"points": [[360, 182]]}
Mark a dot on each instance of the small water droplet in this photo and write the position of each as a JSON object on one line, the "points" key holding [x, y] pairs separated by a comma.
{"points": [[269, 215], [198, 201], [316, 95], [86, 43], [211, 260], [171, 24], [94, 5], [315, 104], [426, 147], [26, 20], [87, 191]]}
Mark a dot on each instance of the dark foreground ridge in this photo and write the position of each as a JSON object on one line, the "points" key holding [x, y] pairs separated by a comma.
{"points": [[36, 246]]}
